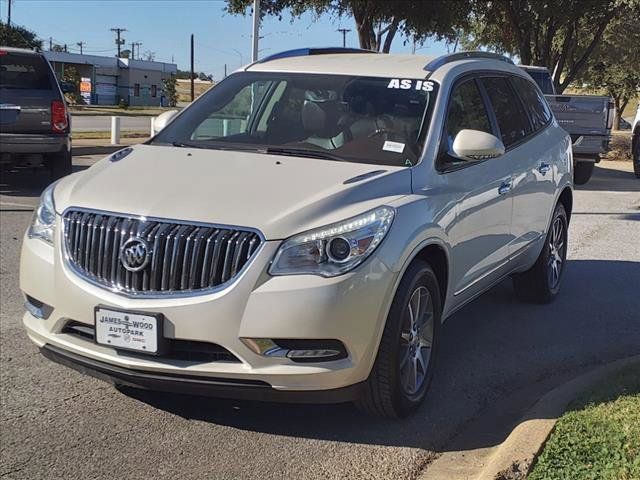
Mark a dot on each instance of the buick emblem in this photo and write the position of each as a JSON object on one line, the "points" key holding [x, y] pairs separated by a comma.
{"points": [[134, 254]]}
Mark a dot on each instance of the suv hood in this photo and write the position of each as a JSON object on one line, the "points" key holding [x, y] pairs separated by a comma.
{"points": [[278, 195]]}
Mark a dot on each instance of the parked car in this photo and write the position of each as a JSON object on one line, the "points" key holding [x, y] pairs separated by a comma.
{"points": [[635, 143], [300, 232], [587, 118], [34, 121]]}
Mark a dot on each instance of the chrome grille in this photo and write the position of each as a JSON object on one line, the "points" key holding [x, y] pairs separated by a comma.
{"points": [[184, 257]]}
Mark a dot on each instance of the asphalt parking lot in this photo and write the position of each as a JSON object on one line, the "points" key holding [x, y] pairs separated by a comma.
{"points": [[497, 355]]}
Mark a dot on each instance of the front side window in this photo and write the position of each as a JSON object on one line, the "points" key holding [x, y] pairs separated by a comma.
{"points": [[538, 108], [338, 117], [512, 119], [466, 111]]}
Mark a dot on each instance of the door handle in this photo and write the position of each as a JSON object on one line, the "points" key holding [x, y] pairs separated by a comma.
{"points": [[504, 188], [544, 168]]}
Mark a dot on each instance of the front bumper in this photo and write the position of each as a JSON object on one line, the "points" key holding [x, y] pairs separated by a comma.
{"points": [[23, 143], [351, 308]]}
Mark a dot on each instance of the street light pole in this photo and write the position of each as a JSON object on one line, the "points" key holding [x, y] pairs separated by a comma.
{"points": [[256, 29]]}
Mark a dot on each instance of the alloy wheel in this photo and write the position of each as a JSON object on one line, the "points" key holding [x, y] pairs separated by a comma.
{"points": [[416, 340], [556, 252]]}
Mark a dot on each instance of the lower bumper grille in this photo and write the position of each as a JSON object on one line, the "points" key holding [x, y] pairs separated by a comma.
{"points": [[152, 256], [185, 350]]}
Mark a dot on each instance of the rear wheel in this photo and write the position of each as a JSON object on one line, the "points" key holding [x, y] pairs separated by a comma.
{"points": [[404, 365], [59, 164], [541, 283], [582, 172]]}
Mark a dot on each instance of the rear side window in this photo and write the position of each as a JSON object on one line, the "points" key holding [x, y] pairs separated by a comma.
{"points": [[534, 102], [512, 119], [466, 111], [24, 71]]}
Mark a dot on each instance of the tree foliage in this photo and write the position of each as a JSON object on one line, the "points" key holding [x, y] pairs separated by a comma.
{"points": [[170, 90], [560, 35], [615, 63], [19, 37], [377, 21]]}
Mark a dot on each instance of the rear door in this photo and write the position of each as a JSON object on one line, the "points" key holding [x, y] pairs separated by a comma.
{"points": [[27, 87], [522, 116]]}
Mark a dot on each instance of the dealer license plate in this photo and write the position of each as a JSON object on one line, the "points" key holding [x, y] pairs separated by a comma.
{"points": [[127, 330]]}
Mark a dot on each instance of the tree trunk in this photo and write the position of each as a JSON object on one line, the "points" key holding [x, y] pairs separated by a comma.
{"points": [[391, 33], [364, 26]]}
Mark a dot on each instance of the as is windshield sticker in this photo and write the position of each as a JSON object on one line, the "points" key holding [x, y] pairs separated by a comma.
{"points": [[408, 84]]}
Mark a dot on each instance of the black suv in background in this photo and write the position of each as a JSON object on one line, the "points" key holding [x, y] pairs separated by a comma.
{"points": [[34, 121]]}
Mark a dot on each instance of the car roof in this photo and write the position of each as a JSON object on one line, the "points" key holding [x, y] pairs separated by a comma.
{"points": [[369, 64], [19, 50]]}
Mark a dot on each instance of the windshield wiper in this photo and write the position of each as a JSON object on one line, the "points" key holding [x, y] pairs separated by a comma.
{"points": [[302, 152]]}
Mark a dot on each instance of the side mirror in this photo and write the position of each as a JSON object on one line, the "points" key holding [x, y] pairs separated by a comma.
{"points": [[474, 145], [163, 120], [67, 87]]}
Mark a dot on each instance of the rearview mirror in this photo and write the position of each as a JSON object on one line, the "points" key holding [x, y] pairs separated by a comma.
{"points": [[163, 120], [474, 146], [67, 87]]}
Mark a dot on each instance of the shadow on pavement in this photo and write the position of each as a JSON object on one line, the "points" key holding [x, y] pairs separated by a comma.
{"points": [[496, 357], [28, 182], [608, 178]]}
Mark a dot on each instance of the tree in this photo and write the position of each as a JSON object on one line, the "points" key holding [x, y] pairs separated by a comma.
{"points": [[71, 75], [170, 90], [19, 37], [615, 63], [57, 48], [377, 21], [560, 35]]}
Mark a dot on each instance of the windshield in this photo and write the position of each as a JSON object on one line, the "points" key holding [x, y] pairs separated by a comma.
{"points": [[335, 117]]}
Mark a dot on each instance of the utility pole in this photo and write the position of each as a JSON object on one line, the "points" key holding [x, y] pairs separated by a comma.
{"points": [[225, 70], [256, 29], [192, 85], [65, 48], [344, 32], [9, 15], [80, 44], [50, 43], [119, 42], [133, 49]]}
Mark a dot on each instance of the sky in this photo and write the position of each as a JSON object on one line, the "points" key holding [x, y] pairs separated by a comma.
{"points": [[164, 27]]}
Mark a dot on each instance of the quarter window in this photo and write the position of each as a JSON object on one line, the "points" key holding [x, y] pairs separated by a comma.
{"points": [[466, 111], [534, 101], [512, 119]]}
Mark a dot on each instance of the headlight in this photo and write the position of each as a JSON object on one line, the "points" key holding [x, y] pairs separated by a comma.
{"points": [[335, 249], [44, 218]]}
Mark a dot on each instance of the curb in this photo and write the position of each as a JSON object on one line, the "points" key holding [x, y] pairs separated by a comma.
{"points": [[517, 452]]}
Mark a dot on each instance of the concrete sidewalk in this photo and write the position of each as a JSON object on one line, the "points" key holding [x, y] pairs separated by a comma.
{"points": [[88, 146]]}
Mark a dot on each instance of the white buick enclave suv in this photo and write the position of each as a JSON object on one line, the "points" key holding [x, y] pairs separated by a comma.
{"points": [[301, 231]]}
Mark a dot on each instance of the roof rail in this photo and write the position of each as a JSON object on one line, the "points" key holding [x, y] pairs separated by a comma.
{"points": [[303, 52], [453, 57]]}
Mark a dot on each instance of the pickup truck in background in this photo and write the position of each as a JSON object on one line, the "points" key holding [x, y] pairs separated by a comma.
{"points": [[587, 118]]}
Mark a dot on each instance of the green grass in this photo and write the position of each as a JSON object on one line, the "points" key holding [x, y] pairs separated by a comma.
{"points": [[598, 438], [100, 135]]}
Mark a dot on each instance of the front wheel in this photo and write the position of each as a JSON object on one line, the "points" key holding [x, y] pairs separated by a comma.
{"points": [[582, 172], [404, 365], [541, 283]]}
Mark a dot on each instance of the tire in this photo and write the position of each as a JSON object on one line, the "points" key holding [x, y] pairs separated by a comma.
{"points": [[541, 283], [60, 164], [393, 390], [582, 172]]}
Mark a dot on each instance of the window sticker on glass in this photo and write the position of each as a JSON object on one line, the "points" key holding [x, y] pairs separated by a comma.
{"points": [[407, 84], [390, 146]]}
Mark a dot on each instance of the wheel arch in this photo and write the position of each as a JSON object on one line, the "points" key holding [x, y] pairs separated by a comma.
{"points": [[566, 199]]}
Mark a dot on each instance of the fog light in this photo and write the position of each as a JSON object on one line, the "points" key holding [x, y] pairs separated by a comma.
{"points": [[37, 308], [321, 354]]}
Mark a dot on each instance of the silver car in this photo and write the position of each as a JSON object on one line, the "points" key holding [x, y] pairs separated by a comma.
{"points": [[301, 231]]}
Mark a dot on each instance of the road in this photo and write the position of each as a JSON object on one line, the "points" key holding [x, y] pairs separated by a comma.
{"points": [[496, 357], [100, 123]]}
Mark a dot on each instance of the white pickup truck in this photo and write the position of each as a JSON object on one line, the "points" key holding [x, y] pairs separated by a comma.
{"points": [[587, 118]]}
